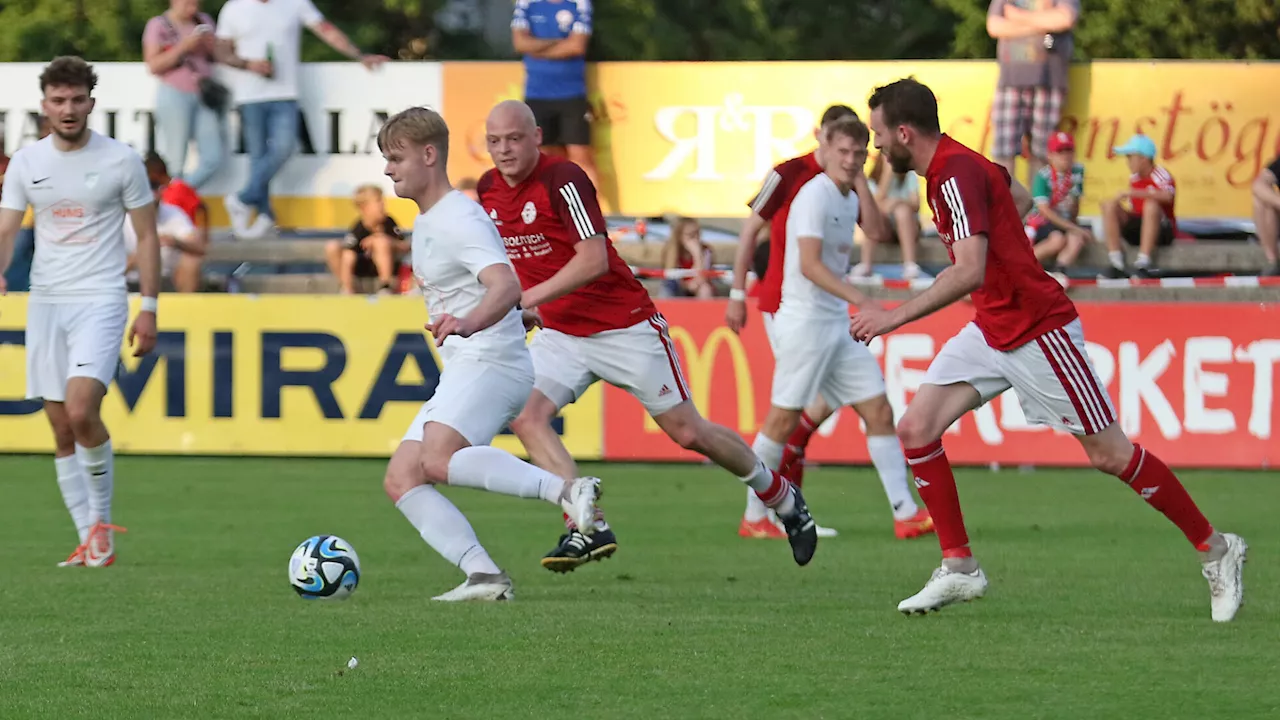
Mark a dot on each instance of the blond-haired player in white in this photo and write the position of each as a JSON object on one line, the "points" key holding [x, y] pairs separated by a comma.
{"points": [[815, 354], [472, 297], [80, 185]]}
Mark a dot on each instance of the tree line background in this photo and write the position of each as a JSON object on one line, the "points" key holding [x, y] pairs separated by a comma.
{"points": [[111, 30]]}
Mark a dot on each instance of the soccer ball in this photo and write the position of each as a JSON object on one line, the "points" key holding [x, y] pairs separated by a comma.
{"points": [[324, 567]]}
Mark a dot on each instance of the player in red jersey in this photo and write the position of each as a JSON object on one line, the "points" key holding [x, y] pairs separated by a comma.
{"points": [[1025, 335], [598, 323], [772, 205]]}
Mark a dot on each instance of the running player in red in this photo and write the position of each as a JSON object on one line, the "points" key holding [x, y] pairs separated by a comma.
{"points": [[598, 323], [772, 205], [1025, 335]]}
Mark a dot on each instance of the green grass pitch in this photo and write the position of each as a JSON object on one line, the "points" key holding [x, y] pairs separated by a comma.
{"points": [[1096, 607]]}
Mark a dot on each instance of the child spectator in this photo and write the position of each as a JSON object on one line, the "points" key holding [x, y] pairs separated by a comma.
{"points": [[898, 195], [182, 220], [1151, 221], [685, 250], [1266, 215], [1056, 192], [372, 248]]}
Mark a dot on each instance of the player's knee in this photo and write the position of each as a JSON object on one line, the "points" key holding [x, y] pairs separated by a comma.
{"points": [[689, 434], [530, 420], [399, 480], [879, 418], [82, 418], [1109, 458], [434, 469], [915, 431]]}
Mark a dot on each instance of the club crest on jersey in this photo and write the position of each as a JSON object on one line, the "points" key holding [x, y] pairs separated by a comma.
{"points": [[493, 215], [529, 213], [564, 19], [90, 179]]}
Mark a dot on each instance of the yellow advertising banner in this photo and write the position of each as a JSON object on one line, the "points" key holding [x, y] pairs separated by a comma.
{"points": [[285, 375], [698, 138]]}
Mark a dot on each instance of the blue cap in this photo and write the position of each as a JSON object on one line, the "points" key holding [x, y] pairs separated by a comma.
{"points": [[1138, 145]]}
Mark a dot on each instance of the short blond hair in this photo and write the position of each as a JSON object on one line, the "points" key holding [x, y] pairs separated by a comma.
{"points": [[416, 126], [365, 193]]}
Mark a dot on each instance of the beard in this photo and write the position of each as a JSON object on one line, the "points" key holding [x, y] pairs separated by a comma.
{"points": [[899, 158], [71, 136]]}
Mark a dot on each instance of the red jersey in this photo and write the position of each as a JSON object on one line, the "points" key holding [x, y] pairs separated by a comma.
{"points": [[1159, 180], [541, 219], [182, 195], [969, 195], [772, 203]]}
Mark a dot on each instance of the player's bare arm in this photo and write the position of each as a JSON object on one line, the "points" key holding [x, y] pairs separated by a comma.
{"points": [[501, 293], [870, 218], [333, 36], [735, 315], [1264, 188], [142, 334], [962, 278], [590, 263], [10, 224], [816, 272]]}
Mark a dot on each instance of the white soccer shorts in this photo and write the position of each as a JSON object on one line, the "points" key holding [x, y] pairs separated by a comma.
{"points": [[474, 398], [640, 359], [820, 357], [1052, 376], [72, 339]]}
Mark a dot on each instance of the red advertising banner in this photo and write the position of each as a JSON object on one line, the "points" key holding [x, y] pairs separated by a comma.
{"points": [[1194, 382]]}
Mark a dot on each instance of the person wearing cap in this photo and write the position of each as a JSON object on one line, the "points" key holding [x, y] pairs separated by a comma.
{"points": [[1149, 220], [1056, 192], [1266, 215]]}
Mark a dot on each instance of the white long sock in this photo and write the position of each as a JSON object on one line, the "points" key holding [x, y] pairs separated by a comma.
{"points": [[443, 526], [75, 493], [770, 453], [891, 464], [761, 480], [1117, 259], [488, 468], [99, 466]]}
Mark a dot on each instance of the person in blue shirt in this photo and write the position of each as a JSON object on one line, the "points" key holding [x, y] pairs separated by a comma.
{"points": [[552, 36]]}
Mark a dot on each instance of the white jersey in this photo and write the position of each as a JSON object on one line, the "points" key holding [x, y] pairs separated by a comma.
{"points": [[452, 243], [819, 210], [260, 29], [171, 222], [80, 199]]}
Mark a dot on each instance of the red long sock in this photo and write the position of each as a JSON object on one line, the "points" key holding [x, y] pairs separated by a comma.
{"points": [[773, 495], [1156, 483], [793, 451], [937, 487]]}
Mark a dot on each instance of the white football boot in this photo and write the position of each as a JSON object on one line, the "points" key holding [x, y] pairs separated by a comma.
{"points": [[580, 506], [944, 588], [480, 587], [76, 559], [100, 547], [1226, 579]]}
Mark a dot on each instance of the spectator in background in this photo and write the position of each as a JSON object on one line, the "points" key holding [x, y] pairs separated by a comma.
{"points": [[1056, 192], [898, 195], [179, 49], [685, 250], [181, 245], [552, 36], [467, 186], [269, 34], [1149, 221], [1034, 47], [372, 249], [18, 277], [190, 251], [1266, 215]]}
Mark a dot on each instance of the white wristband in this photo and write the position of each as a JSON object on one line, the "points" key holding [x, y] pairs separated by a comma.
{"points": [[149, 304], [736, 294]]}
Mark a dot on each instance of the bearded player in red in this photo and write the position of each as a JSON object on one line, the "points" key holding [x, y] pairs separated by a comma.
{"points": [[598, 323], [772, 205], [1025, 335]]}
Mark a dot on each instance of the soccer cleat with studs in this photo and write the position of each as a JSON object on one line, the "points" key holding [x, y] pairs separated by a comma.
{"points": [[576, 549], [802, 531]]}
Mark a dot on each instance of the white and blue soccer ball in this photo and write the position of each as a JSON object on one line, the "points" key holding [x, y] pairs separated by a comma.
{"points": [[324, 567]]}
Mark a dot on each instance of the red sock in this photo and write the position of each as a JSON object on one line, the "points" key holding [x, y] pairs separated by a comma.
{"points": [[1156, 483], [937, 487], [793, 451], [776, 492]]}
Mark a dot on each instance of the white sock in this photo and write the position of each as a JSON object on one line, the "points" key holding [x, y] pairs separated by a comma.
{"points": [[99, 466], [770, 454], [488, 468], [886, 455], [75, 493], [1117, 259], [443, 526], [1143, 260]]}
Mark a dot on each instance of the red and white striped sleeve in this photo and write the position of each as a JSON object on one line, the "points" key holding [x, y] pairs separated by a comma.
{"points": [[962, 195], [1162, 180], [573, 197]]}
